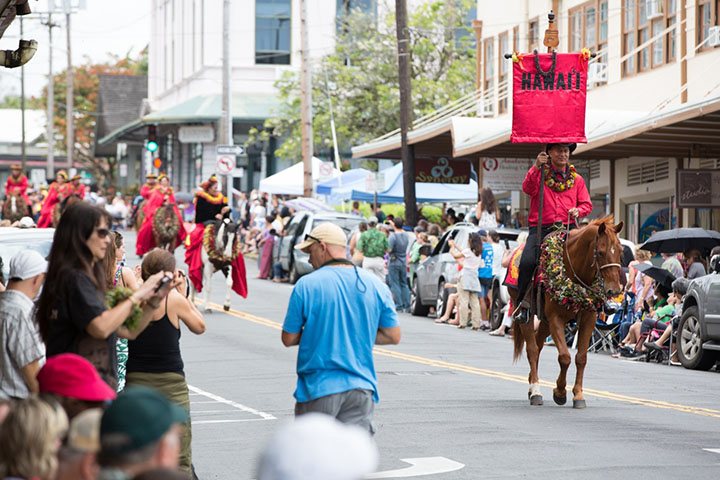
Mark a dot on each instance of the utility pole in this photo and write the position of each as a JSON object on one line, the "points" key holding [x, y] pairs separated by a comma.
{"points": [[477, 29], [306, 102], [23, 155], [407, 153], [50, 133], [69, 97], [226, 124]]}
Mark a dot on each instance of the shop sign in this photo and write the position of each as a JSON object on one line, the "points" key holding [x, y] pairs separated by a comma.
{"points": [[442, 170], [196, 134], [504, 174], [697, 188]]}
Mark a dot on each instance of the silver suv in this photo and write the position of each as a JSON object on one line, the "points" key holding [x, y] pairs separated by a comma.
{"points": [[699, 328]]}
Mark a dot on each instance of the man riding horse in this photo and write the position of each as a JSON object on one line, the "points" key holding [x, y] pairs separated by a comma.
{"points": [[17, 185], [160, 196], [566, 198]]}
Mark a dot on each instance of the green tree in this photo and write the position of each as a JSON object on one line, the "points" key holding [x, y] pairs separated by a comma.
{"points": [[361, 77], [86, 82]]}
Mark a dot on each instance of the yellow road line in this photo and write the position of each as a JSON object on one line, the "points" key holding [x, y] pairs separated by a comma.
{"points": [[707, 412]]}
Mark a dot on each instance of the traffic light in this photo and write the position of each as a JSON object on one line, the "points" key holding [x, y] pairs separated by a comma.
{"points": [[157, 162], [151, 144]]}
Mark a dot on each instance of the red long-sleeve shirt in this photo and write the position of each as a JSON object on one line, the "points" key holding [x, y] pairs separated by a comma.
{"points": [[555, 204]]}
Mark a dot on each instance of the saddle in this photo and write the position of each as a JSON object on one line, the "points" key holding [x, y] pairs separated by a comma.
{"points": [[533, 295]]}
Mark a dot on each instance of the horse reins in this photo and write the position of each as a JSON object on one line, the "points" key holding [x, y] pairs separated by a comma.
{"points": [[598, 267]]}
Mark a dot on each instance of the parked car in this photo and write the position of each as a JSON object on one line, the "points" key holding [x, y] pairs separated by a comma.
{"points": [[698, 335], [295, 262], [13, 240], [438, 269]]}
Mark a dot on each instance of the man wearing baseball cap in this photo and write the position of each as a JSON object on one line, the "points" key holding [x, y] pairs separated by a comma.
{"points": [[21, 349], [140, 431], [73, 381], [77, 456], [336, 314]]}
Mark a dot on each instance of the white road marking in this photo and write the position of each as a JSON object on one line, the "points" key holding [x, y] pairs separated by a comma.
{"points": [[712, 450], [200, 422], [194, 412], [219, 399], [420, 467]]}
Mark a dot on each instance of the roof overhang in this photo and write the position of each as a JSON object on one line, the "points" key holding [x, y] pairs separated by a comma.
{"points": [[680, 131]]}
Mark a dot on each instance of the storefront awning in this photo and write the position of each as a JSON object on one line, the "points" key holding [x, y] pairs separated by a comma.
{"points": [[679, 131], [201, 109]]}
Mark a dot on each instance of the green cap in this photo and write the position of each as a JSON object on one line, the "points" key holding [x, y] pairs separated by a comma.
{"points": [[139, 417]]}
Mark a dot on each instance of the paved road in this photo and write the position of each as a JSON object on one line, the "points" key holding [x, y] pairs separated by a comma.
{"points": [[455, 394]]}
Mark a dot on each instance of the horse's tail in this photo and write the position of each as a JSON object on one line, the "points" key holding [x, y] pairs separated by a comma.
{"points": [[518, 341]]}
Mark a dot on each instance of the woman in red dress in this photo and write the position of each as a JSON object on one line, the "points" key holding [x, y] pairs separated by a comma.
{"points": [[163, 193], [55, 195]]}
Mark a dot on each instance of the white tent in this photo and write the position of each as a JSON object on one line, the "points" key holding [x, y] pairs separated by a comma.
{"points": [[290, 180]]}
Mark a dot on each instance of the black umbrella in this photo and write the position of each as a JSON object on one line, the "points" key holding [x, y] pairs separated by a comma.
{"points": [[660, 275], [681, 240]]}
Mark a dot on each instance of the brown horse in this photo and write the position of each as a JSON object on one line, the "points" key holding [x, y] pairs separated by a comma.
{"points": [[590, 268], [14, 207], [165, 227], [139, 217]]}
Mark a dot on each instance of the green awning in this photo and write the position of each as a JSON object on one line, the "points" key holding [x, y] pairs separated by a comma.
{"points": [[201, 109]]}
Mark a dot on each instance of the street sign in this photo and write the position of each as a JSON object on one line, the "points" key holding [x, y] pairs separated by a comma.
{"points": [[326, 170], [196, 134], [234, 150], [225, 164]]}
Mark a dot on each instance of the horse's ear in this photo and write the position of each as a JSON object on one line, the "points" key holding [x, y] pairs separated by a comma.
{"points": [[619, 227], [601, 229]]}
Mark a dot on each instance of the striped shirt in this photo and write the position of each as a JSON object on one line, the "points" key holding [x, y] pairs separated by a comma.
{"points": [[20, 343]]}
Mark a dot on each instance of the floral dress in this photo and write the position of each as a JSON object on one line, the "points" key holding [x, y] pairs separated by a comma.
{"points": [[122, 344]]}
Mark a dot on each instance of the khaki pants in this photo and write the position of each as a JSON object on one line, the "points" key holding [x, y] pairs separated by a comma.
{"points": [[174, 387], [467, 300], [375, 265]]}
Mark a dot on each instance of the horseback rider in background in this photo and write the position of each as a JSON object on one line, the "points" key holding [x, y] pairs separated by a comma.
{"points": [[17, 184], [566, 199]]}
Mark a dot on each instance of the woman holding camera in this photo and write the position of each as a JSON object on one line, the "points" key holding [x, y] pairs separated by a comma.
{"points": [[154, 358], [72, 315]]}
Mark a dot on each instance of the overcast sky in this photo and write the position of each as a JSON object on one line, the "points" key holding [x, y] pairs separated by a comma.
{"points": [[115, 26]]}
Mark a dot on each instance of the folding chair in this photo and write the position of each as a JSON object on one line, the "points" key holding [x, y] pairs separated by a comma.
{"points": [[607, 325]]}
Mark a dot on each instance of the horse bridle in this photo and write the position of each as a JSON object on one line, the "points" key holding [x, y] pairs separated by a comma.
{"points": [[598, 268]]}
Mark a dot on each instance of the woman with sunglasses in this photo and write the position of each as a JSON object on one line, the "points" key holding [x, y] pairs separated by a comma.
{"points": [[72, 313]]}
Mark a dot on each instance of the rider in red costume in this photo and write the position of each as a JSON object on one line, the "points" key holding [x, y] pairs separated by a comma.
{"points": [[150, 184], [76, 187], [17, 182], [161, 194], [56, 194]]}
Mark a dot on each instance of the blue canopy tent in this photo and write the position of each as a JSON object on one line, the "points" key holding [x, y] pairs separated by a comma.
{"points": [[424, 192], [329, 187]]}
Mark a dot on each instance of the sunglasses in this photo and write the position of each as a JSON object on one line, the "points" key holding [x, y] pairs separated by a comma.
{"points": [[310, 237], [102, 232]]}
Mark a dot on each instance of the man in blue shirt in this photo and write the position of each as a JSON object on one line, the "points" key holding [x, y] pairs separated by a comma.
{"points": [[336, 314]]}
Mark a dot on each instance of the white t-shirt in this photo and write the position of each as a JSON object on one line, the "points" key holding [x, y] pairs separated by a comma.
{"points": [[471, 261], [498, 251]]}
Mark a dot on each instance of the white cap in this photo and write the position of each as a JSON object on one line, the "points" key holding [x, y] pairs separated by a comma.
{"points": [[27, 264], [26, 222], [318, 447]]}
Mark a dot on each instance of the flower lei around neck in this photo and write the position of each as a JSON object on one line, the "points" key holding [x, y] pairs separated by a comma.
{"points": [[215, 200], [560, 181], [562, 290], [215, 255]]}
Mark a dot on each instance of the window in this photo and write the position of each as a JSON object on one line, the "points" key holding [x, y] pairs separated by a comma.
{"points": [[489, 57], [707, 14], [533, 35], [504, 71], [643, 20], [272, 32], [589, 26]]}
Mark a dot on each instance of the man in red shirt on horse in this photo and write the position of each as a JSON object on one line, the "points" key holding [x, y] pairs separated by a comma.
{"points": [[566, 199], [150, 184]]}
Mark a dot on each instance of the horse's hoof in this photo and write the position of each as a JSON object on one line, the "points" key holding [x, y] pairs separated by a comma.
{"points": [[560, 400], [226, 308], [536, 400], [579, 404]]}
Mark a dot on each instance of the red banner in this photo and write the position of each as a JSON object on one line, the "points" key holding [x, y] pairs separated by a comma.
{"points": [[441, 170], [549, 92]]}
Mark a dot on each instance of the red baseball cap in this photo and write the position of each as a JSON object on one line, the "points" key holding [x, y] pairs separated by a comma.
{"points": [[70, 375]]}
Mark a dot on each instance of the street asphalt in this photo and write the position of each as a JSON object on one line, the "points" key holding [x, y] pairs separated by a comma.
{"points": [[454, 394]]}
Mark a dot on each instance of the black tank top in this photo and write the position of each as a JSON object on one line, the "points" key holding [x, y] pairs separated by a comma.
{"points": [[157, 348]]}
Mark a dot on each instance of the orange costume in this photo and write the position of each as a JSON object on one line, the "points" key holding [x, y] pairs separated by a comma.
{"points": [[157, 198]]}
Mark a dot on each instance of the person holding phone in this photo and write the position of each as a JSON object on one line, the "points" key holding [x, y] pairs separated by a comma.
{"points": [[154, 358], [72, 314]]}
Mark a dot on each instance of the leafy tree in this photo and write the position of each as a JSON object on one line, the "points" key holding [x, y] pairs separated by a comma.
{"points": [[86, 82], [361, 77]]}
